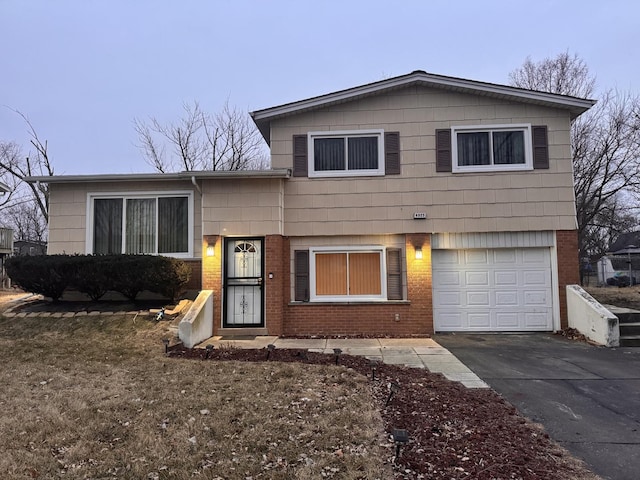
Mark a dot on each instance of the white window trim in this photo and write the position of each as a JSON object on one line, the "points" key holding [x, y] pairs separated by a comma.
{"points": [[311, 136], [528, 150], [348, 298], [127, 195]]}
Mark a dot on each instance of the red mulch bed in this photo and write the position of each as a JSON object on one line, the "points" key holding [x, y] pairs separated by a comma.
{"points": [[454, 432]]}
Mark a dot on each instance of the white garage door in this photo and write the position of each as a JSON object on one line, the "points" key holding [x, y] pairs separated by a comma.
{"points": [[502, 289]]}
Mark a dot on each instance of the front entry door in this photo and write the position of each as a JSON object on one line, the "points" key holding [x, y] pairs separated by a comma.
{"points": [[243, 279]]}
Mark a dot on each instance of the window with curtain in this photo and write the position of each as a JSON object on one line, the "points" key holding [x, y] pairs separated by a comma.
{"points": [[492, 148], [346, 153], [141, 225], [344, 275]]}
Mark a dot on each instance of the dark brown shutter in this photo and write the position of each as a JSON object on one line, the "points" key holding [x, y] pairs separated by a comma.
{"points": [[394, 274], [540, 147], [392, 153], [300, 156], [301, 260], [443, 150]]}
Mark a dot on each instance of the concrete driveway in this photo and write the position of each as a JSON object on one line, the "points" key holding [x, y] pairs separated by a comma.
{"points": [[587, 398]]}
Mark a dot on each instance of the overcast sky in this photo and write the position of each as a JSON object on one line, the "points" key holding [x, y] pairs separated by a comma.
{"points": [[83, 70]]}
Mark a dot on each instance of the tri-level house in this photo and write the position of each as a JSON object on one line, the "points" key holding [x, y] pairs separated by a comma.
{"points": [[415, 204]]}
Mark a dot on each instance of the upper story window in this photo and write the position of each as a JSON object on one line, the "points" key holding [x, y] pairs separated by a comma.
{"points": [[346, 153], [156, 224], [491, 148]]}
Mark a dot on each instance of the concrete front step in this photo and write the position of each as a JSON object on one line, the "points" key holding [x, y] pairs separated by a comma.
{"points": [[630, 340], [629, 329]]}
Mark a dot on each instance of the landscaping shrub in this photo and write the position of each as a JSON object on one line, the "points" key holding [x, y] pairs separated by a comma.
{"points": [[94, 275], [47, 275]]}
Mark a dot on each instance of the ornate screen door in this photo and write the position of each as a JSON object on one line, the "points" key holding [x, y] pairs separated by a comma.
{"points": [[244, 295]]}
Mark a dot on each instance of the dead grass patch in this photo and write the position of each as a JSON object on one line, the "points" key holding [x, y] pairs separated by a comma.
{"points": [[93, 397]]}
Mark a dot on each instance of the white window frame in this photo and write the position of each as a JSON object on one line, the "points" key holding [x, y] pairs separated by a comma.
{"points": [[134, 195], [312, 136], [348, 298], [519, 127]]}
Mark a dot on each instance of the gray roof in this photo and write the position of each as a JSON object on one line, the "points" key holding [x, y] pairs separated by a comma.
{"points": [[576, 106], [141, 177], [625, 240]]}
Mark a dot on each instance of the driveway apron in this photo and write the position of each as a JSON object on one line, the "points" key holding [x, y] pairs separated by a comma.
{"points": [[587, 397]]}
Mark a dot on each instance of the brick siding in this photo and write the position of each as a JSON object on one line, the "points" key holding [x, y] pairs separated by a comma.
{"points": [[568, 267]]}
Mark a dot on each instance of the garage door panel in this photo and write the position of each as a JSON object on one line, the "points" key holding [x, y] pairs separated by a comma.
{"points": [[536, 256], [447, 279], [478, 299], [477, 278], [508, 320], [492, 289], [504, 255], [506, 277], [448, 257], [476, 257], [479, 320], [535, 321], [506, 298], [536, 298], [449, 298], [451, 321], [534, 278]]}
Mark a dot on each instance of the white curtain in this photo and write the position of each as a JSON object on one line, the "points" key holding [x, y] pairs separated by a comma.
{"points": [[141, 226]]}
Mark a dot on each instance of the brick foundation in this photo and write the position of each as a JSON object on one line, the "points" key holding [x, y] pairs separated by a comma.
{"points": [[568, 267]]}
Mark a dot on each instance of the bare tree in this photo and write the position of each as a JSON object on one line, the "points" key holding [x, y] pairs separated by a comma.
{"points": [[564, 74], [15, 166], [227, 140], [605, 145], [26, 221]]}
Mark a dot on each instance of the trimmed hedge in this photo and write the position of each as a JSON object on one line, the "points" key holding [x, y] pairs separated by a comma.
{"points": [[95, 275]]}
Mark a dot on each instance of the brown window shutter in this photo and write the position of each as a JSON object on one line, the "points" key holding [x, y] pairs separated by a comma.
{"points": [[392, 153], [443, 150], [394, 274], [300, 163], [301, 260], [540, 147]]}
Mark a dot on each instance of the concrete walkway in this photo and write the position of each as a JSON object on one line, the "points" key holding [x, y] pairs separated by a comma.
{"points": [[412, 352]]}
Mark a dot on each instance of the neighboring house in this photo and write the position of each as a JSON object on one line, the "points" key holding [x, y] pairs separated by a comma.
{"points": [[621, 265], [415, 204], [29, 247], [6, 249], [6, 243]]}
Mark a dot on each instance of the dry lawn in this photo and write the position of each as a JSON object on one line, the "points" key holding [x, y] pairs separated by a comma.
{"points": [[94, 397]]}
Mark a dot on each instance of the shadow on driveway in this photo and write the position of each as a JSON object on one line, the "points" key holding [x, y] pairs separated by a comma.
{"points": [[587, 398]]}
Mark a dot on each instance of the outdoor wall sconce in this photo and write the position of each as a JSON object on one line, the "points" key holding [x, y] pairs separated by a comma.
{"points": [[211, 250], [418, 253], [400, 437]]}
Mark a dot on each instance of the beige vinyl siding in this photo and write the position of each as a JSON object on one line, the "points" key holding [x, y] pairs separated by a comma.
{"points": [[452, 202], [242, 207], [68, 211]]}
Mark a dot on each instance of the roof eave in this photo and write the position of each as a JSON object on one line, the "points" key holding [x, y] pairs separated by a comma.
{"points": [[576, 106], [162, 177]]}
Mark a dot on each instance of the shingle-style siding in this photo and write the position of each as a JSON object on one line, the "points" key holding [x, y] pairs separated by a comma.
{"points": [[242, 207], [453, 202]]}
